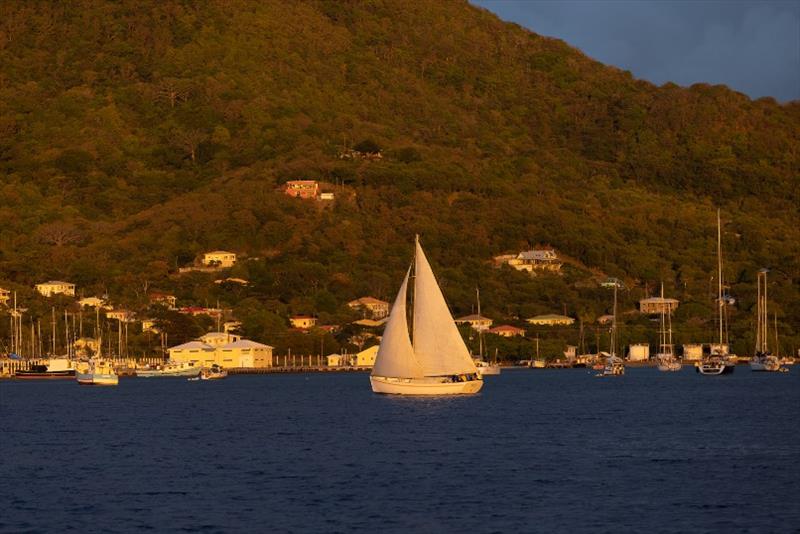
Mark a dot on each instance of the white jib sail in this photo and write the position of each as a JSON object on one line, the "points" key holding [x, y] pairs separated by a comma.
{"points": [[437, 343], [395, 356]]}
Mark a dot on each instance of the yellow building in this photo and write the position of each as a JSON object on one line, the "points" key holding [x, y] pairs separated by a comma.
{"points": [[124, 316], [374, 308], [551, 319], [335, 360], [91, 302], [365, 358], [219, 258], [478, 322], [56, 287], [225, 350], [303, 321], [5, 295]]}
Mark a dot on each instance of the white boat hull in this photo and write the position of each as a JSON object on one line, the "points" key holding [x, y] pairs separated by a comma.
{"points": [[97, 379], [488, 370], [168, 373], [423, 386]]}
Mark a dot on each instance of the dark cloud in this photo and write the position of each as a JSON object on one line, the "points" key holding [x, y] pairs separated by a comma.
{"points": [[751, 46]]}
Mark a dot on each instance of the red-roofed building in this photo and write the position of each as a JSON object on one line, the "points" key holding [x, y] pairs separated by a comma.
{"points": [[506, 330]]}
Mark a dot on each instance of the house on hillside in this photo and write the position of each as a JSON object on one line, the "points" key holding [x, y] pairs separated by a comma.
{"points": [[56, 287], [655, 305], [303, 322], [611, 283], [5, 296], [163, 299], [371, 307], [532, 260], [506, 330], [551, 319], [477, 322], [194, 311], [306, 189], [123, 316], [221, 259], [92, 302], [149, 325]]}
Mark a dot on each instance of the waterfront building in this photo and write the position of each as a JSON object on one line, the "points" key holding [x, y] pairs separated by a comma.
{"points": [[56, 287], [477, 322], [335, 360], [224, 349], [655, 305], [551, 319], [219, 258], [639, 352], [693, 351], [365, 358], [374, 308]]}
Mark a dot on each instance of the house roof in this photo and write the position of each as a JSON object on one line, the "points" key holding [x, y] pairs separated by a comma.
{"points": [[506, 328], [220, 252], [302, 317], [370, 322], [547, 254], [192, 345], [246, 344], [366, 300], [658, 300], [551, 317], [56, 283], [473, 317]]}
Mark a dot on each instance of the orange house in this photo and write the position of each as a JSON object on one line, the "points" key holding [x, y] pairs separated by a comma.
{"points": [[302, 188]]}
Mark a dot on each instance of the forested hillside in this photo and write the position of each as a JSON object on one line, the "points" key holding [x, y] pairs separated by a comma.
{"points": [[135, 135]]}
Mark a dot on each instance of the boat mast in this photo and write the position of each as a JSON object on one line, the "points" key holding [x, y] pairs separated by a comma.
{"points": [[614, 325], [719, 278], [480, 332], [412, 279]]}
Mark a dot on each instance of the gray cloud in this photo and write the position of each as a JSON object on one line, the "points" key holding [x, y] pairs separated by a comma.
{"points": [[751, 46]]}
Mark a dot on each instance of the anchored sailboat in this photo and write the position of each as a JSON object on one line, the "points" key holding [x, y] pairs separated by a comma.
{"points": [[763, 360], [719, 362], [665, 359], [430, 358]]}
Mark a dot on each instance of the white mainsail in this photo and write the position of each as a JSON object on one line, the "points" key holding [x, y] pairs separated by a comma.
{"points": [[395, 356], [437, 343]]}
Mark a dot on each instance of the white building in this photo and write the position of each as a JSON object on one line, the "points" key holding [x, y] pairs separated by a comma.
{"points": [[639, 352], [219, 258], [56, 287], [693, 352], [477, 322], [91, 302]]}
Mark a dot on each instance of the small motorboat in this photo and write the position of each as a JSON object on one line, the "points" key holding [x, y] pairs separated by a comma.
{"points": [[97, 373], [614, 367]]}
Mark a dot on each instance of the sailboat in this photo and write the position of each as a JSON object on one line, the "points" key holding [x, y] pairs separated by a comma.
{"points": [[719, 362], [429, 358], [763, 360], [665, 358], [483, 367], [614, 365]]}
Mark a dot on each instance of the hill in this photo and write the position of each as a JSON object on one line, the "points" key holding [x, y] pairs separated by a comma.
{"points": [[134, 135]]}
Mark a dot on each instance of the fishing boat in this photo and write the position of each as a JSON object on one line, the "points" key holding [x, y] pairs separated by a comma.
{"points": [[719, 362], [97, 372], [170, 370], [53, 369], [427, 357], [614, 365], [665, 358]]}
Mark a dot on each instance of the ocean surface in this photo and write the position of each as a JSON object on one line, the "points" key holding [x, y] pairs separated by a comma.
{"points": [[535, 451]]}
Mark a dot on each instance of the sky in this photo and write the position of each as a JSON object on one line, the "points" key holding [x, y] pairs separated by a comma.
{"points": [[751, 46]]}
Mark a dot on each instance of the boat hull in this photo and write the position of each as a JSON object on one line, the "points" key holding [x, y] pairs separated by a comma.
{"points": [[424, 386], [489, 370], [160, 373], [714, 370], [96, 379], [45, 375]]}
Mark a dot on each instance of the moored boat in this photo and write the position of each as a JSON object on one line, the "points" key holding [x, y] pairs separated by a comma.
{"points": [[437, 361], [215, 372], [97, 373], [54, 369], [486, 368], [170, 370]]}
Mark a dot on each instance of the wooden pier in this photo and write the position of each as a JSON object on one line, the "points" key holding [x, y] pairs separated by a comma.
{"points": [[296, 369]]}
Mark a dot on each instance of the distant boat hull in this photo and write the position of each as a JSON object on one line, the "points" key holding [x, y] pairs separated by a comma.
{"points": [[45, 375], [169, 373], [423, 386], [715, 368], [485, 368], [97, 379]]}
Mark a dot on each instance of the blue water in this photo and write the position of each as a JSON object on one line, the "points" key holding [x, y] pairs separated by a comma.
{"points": [[535, 451]]}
